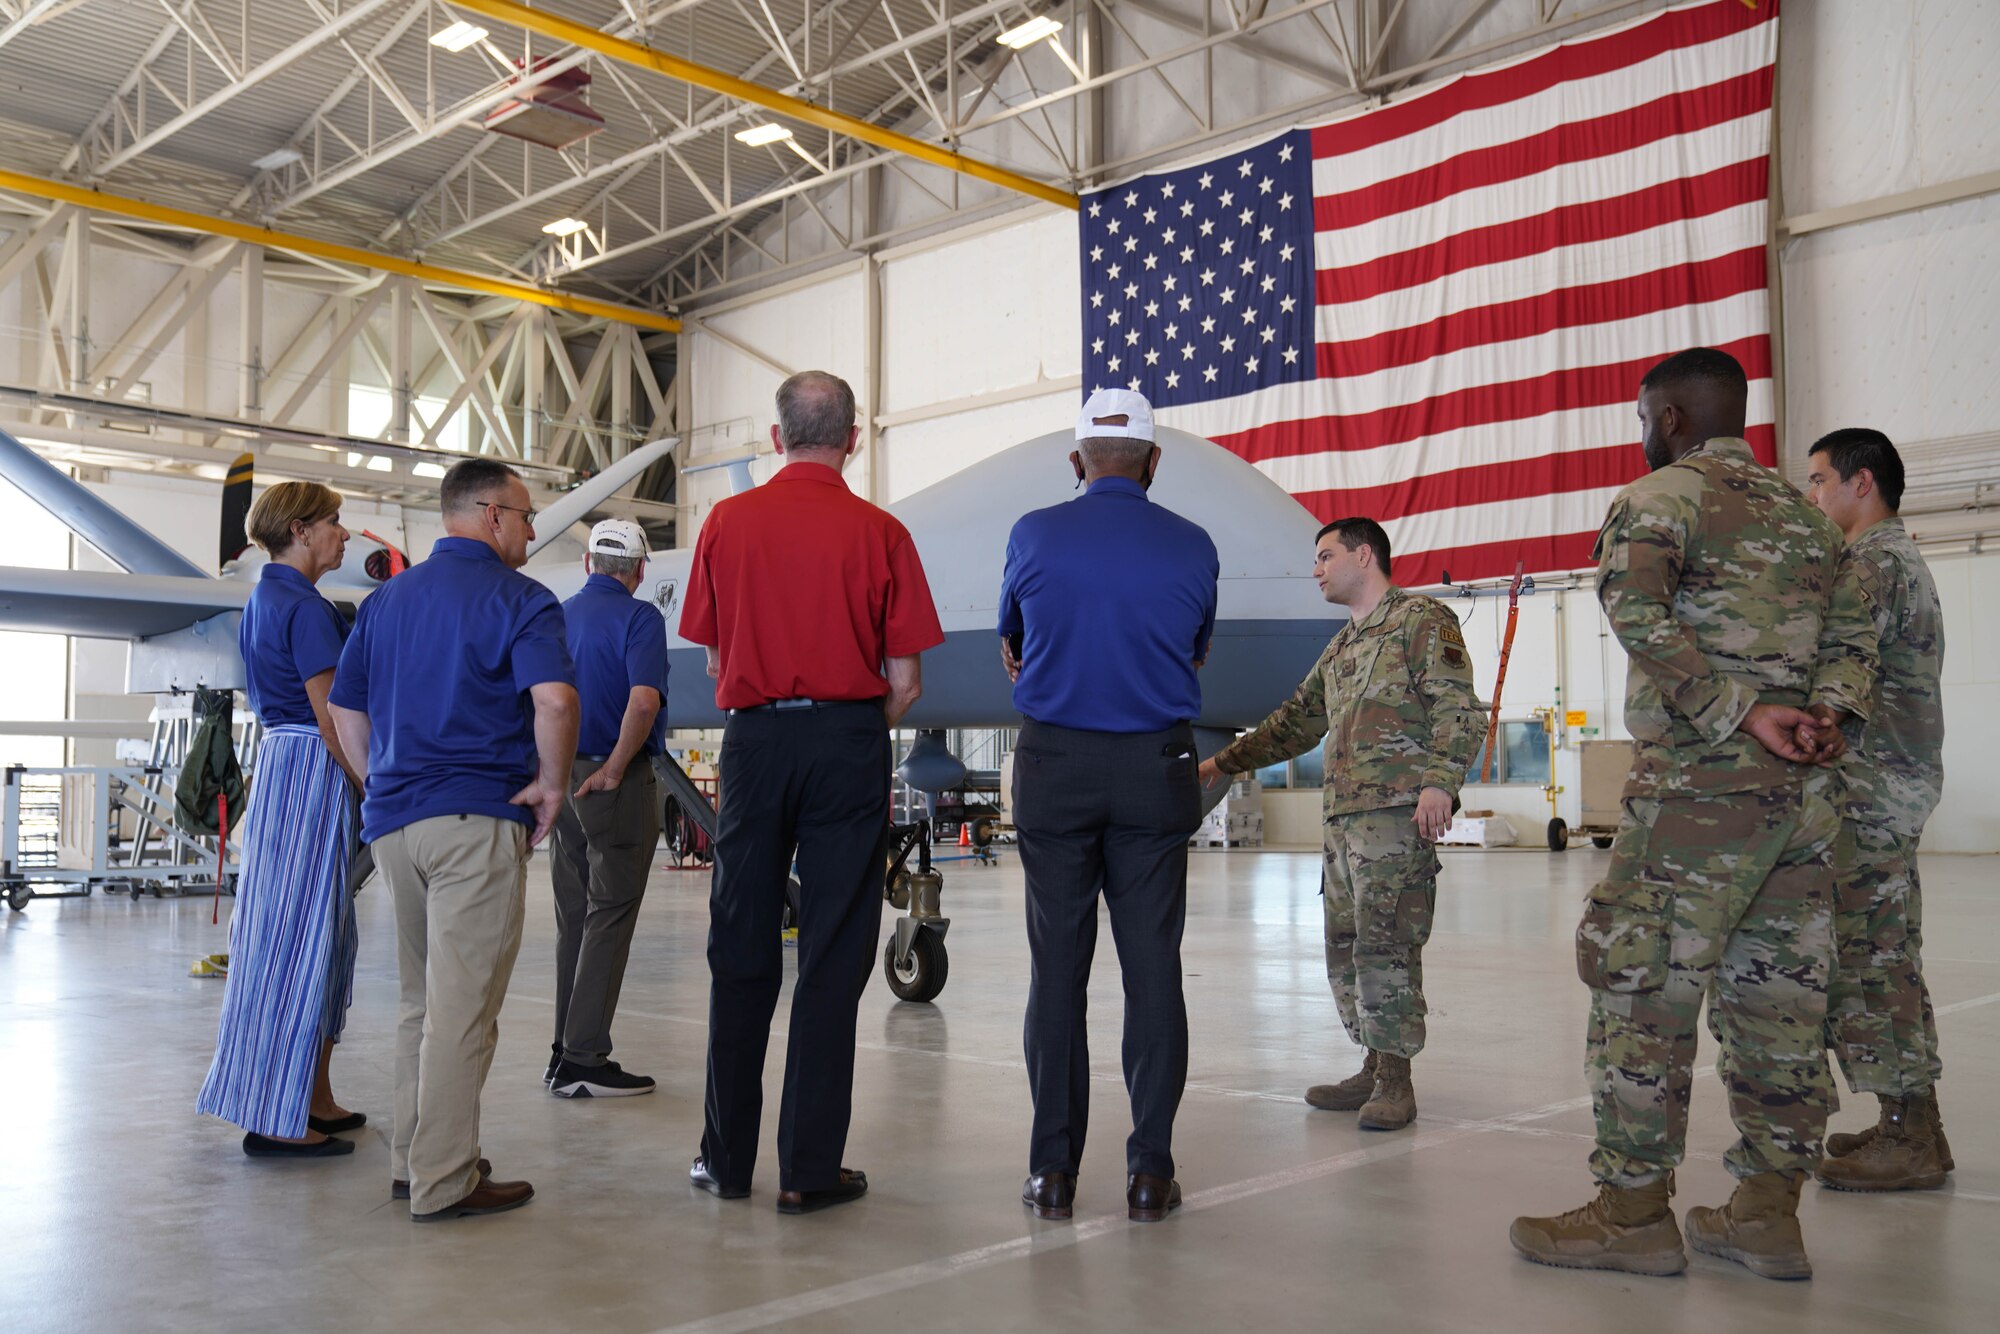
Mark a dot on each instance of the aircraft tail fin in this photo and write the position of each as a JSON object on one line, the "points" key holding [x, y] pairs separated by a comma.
{"points": [[236, 508], [122, 541], [554, 521]]}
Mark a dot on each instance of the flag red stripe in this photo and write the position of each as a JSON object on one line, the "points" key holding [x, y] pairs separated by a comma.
{"points": [[1565, 308], [1556, 391], [1573, 224], [1520, 479], [1573, 141], [1582, 59]]}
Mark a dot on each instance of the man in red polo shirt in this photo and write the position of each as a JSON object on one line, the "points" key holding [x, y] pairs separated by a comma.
{"points": [[814, 608]]}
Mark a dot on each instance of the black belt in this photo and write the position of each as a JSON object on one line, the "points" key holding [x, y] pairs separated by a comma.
{"points": [[788, 705], [595, 759]]}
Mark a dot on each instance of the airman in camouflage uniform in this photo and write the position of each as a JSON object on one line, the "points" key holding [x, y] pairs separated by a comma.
{"points": [[1393, 698], [1730, 597], [1879, 1019]]}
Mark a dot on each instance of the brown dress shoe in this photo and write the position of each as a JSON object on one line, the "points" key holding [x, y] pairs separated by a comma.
{"points": [[1050, 1194], [853, 1185], [488, 1197], [1148, 1198], [400, 1190]]}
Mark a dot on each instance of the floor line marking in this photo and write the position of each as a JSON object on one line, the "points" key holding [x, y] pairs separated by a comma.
{"points": [[926, 1272], [1973, 1004]]}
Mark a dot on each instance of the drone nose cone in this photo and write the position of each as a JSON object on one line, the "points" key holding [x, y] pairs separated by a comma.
{"points": [[930, 765]]}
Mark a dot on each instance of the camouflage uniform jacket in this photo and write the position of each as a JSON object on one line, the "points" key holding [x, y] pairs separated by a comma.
{"points": [[1393, 697], [1894, 767], [1726, 589]]}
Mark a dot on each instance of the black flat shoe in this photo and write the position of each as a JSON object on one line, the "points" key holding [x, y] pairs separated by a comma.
{"points": [[853, 1185], [700, 1174], [262, 1146], [339, 1125]]}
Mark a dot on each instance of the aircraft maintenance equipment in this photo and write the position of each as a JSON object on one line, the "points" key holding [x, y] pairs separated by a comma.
{"points": [[63, 826], [1605, 766]]}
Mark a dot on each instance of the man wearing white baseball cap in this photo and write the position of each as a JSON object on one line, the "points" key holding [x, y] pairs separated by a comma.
{"points": [[607, 830], [1106, 610]]}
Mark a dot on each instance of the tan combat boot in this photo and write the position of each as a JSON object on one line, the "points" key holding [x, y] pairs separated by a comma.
{"points": [[1839, 1146], [1758, 1228], [1902, 1154], [1628, 1228], [1349, 1094], [1393, 1104], [1937, 1131]]}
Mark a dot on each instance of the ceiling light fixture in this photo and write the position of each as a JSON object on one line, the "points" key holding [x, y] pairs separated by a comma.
{"points": [[458, 36], [758, 135], [564, 226], [278, 157], [1027, 34]]}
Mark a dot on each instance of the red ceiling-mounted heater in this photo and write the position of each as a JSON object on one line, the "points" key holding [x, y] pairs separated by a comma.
{"points": [[553, 113]]}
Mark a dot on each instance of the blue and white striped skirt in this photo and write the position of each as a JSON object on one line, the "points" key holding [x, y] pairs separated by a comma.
{"points": [[291, 938]]}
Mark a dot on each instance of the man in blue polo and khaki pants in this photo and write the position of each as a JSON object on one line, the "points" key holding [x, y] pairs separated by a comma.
{"points": [[1106, 611], [609, 826]]}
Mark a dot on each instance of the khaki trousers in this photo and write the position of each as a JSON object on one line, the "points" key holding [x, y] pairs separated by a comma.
{"points": [[460, 885]]}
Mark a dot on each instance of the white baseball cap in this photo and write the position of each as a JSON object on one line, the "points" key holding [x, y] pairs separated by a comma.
{"points": [[1126, 403], [617, 537]]}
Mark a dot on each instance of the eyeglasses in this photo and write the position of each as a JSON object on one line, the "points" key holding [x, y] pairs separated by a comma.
{"points": [[526, 514]]}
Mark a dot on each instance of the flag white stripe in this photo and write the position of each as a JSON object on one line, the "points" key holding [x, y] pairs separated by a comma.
{"points": [[1477, 446], [1557, 515], [1658, 163], [1745, 315], [1684, 69], [1671, 245]]}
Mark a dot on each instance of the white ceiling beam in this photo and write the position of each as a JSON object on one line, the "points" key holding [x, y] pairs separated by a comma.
{"points": [[283, 60]]}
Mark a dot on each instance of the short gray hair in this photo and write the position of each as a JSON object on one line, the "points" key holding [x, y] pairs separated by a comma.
{"points": [[618, 567], [1115, 453], [815, 411]]}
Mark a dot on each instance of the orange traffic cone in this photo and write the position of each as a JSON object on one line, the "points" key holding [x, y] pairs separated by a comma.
{"points": [[965, 835]]}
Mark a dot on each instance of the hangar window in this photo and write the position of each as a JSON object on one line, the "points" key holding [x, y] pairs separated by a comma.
{"points": [[1523, 756]]}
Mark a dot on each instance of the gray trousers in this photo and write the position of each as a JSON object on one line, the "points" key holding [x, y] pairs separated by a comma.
{"points": [[602, 851]]}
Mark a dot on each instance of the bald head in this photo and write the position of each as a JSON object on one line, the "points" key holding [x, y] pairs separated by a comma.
{"points": [[1688, 399]]}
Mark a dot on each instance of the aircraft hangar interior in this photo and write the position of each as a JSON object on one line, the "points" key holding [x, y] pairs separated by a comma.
{"points": [[682, 636]]}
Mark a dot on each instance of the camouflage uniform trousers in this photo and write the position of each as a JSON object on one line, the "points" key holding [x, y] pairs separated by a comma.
{"points": [[1381, 893], [1879, 1017], [1734, 891]]}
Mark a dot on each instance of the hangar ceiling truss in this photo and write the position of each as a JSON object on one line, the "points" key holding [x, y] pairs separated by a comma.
{"points": [[357, 121]]}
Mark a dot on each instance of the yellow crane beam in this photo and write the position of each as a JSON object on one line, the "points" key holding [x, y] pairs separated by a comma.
{"points": [[83, 197], [702, 76]]}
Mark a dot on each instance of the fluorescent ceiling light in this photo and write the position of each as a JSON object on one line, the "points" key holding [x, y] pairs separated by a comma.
{"points": [[758, 135], [564, 226], [281, 157], [458, 36], [1027, 34]]}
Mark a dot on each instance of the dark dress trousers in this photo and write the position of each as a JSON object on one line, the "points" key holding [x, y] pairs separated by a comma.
{"points": [[1113, 600], [805, 774]]}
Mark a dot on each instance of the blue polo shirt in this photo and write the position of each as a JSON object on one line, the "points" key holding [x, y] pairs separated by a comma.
{"points": [[617, 642], [441, 660], [289, 635], [1114, 599]]}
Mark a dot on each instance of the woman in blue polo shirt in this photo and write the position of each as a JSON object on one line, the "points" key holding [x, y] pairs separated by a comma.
{"points": [[292, 939]]}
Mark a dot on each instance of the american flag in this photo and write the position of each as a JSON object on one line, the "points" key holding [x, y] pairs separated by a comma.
{"points": [[1436, 313]]}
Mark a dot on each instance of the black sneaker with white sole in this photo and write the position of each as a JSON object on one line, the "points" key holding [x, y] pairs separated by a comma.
{"points": [[555, 1059], [597, 1081]]}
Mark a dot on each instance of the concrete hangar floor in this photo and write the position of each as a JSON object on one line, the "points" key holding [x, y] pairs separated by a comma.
{"points": [[120, 1209]]}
